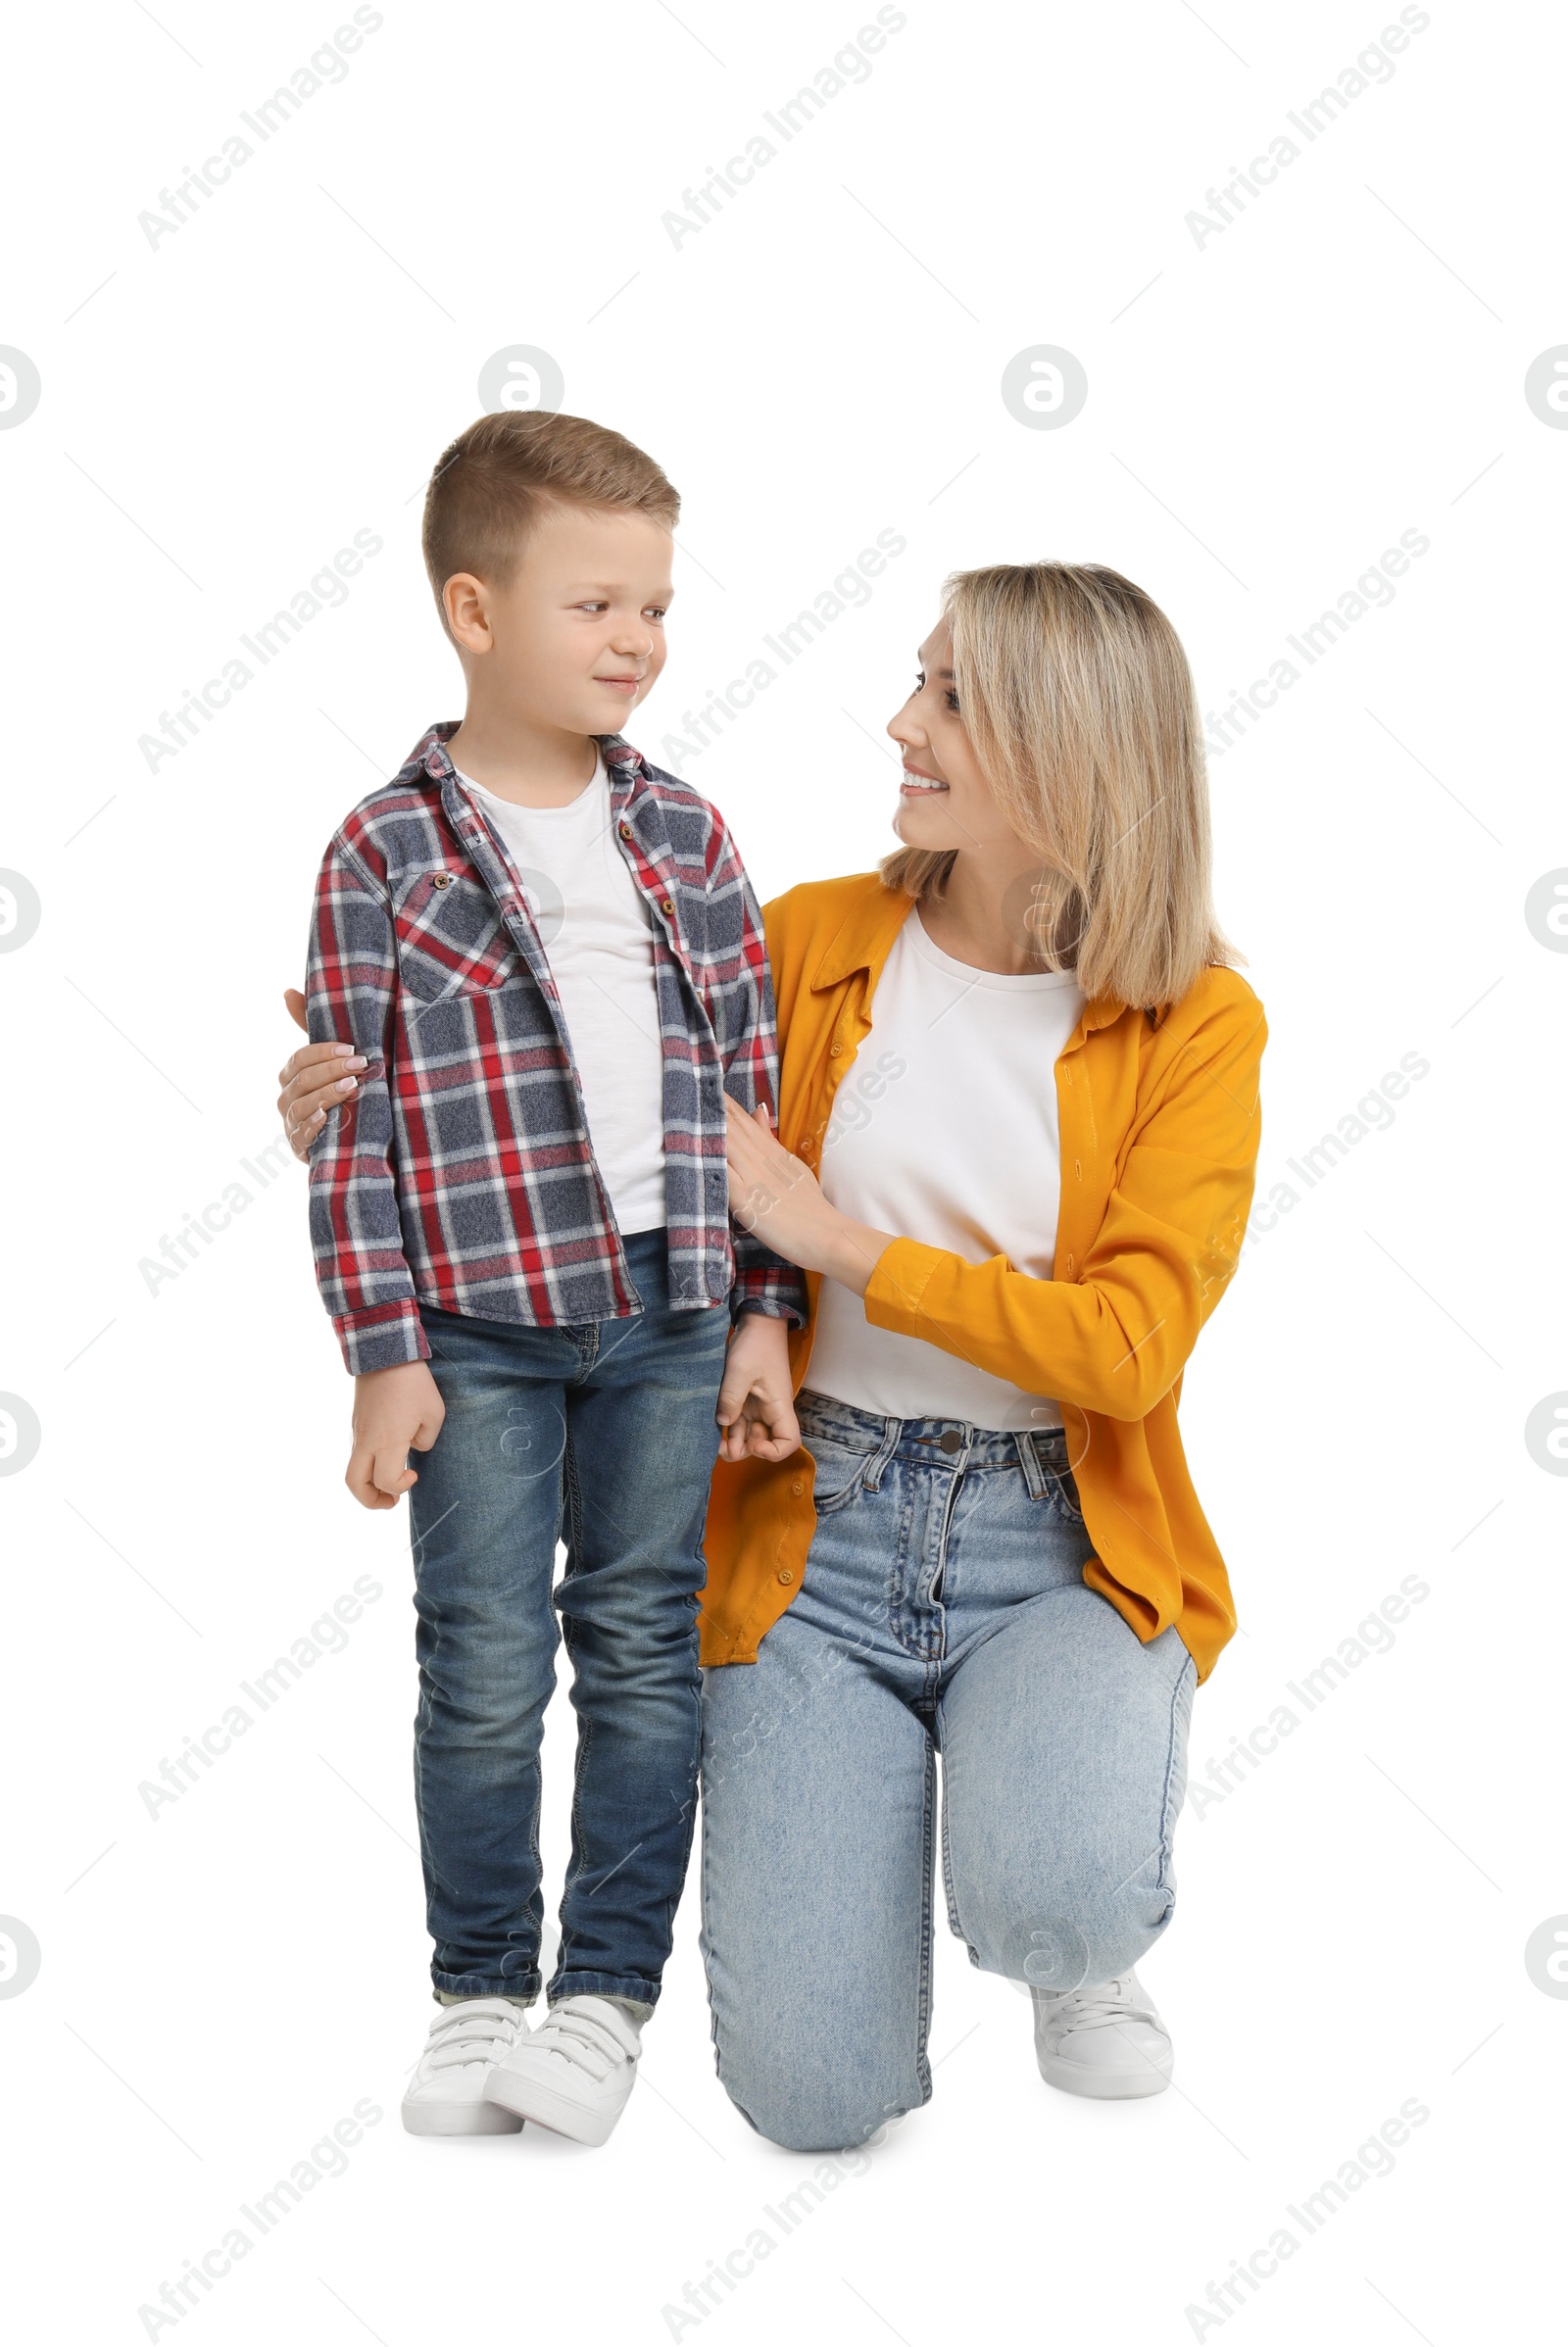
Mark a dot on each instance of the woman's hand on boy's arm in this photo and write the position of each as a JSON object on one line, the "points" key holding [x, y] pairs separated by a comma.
{"points": [[776, 1196], [319, 1076], [756, 1410]]}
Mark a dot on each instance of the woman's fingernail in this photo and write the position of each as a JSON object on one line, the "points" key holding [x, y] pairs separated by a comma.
{"points": [[342, 1051], [359, 1060], [347, 1084]]}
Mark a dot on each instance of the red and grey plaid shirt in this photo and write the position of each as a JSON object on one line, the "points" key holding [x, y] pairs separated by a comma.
{"points": [[461, 1173]]}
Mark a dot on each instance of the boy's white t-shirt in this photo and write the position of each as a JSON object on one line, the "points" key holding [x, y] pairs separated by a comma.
{"points": [[945, 1130], [596, 936]]}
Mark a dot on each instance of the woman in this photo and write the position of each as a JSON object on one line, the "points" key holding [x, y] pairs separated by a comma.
{"points": [[1017, 1130]]}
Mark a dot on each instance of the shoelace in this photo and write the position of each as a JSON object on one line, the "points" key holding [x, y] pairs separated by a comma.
{"points": [[481, 2031], [583, 2041], [1104, 2008]]}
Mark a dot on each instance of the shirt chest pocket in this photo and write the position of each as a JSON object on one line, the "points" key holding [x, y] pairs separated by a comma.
{"points": [[451, 938]]}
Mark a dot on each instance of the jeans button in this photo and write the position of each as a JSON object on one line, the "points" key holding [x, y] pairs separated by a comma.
{"points": [[951, 1442]]}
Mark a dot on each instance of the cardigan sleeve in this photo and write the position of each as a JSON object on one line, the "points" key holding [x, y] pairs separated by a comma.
{"points": [[1115, 1336]]}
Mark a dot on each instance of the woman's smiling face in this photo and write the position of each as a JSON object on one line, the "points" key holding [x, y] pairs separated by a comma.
{"points": [[944, 799]]}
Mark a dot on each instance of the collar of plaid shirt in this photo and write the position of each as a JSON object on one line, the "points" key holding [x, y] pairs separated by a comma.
{"points": [[631, 796]]}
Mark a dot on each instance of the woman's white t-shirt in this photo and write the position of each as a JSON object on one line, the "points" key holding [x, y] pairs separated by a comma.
{"points": [[596, 935], [945, 1130]]}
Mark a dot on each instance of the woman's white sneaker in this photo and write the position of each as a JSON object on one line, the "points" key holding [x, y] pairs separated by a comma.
{"points": [[574, 2072], [1105, 2041], [446, 2093]]}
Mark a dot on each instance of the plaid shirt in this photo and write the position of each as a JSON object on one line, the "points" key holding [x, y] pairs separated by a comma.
{"points": [[462, 1172]]}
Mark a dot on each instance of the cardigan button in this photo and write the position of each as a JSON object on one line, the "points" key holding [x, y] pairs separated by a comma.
{"points": [[835, 1051], [786, 1575], [797, 1486]]}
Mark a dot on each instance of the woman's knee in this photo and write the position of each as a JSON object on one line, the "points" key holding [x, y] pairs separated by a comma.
{"points": [[818, 2095], [802, 2117], [1096, 1932]]}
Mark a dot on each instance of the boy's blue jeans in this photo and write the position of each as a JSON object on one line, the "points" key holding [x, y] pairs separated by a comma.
{"points": [[602, 1435]]}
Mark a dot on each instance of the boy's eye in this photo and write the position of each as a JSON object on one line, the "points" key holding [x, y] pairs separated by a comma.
{"points": [[654, 611]]}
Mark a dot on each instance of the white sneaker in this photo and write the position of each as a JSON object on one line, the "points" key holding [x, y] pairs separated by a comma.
{"points": [[446, 2093], [574, 2072], [1105, 2041]]}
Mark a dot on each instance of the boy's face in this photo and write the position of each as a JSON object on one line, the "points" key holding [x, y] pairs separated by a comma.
{"points": [[576, 639]]}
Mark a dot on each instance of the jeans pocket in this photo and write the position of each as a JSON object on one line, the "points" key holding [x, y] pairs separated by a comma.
{"points": [[840, 1472], [1064, 1498]]}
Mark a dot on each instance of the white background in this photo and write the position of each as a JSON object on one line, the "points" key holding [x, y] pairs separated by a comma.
{"points": [[1266, 412]]}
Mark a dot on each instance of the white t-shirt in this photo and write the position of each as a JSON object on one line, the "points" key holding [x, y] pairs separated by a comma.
{"points": [[945, 1130], [596, 936]]}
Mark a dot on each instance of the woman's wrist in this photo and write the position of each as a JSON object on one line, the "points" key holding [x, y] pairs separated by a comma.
{"points": [[851, 1253]]}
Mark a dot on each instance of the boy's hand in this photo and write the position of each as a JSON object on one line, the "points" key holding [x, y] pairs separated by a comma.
{"points": [[318, 1077], [395, 1411], [755, 1405]]}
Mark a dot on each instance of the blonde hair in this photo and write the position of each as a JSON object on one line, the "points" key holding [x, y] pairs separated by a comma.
{"points": [[1077, 699], [490, 486]]}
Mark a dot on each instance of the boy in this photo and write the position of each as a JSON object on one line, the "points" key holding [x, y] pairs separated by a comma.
{"points": [[546, 959]]}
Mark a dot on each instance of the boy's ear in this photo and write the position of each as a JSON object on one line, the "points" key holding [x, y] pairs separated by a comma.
{"points": [[464, 602]]}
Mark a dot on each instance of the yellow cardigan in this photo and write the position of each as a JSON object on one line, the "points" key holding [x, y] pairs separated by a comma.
{"points": [[1159, 1133]]}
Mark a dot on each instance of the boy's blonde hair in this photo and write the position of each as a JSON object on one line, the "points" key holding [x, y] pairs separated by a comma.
{"points": [[489, 487], [1076, 695]]}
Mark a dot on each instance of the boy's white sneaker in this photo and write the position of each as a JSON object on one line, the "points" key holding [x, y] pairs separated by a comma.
{"points": [[1105, 2041], [446, 2093], [574, 2072]]}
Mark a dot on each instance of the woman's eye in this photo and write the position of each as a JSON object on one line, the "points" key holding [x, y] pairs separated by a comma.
{"points": [[951, 698]]}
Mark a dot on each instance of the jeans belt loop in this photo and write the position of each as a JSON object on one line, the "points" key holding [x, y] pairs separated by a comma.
{"points": [[1037, 1475], [893, 1431]]}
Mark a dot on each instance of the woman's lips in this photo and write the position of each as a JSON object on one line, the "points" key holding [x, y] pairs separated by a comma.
{"points": [[916, 785]]}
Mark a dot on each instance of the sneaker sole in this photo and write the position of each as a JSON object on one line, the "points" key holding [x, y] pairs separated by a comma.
{"points": [[547, 2108], [1106, 2086], [458, 2118]]}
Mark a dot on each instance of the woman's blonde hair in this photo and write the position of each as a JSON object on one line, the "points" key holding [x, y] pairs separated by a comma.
{"points": [[1075, 693]]}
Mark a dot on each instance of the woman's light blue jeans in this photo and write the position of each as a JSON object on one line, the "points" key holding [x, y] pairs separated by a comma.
{"points": [[943, 1611]]}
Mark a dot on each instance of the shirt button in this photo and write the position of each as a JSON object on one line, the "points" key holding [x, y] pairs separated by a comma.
{"points": [[786, 1575], [836, 1051], [443, 880], [665, 905], [625, 831]]}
